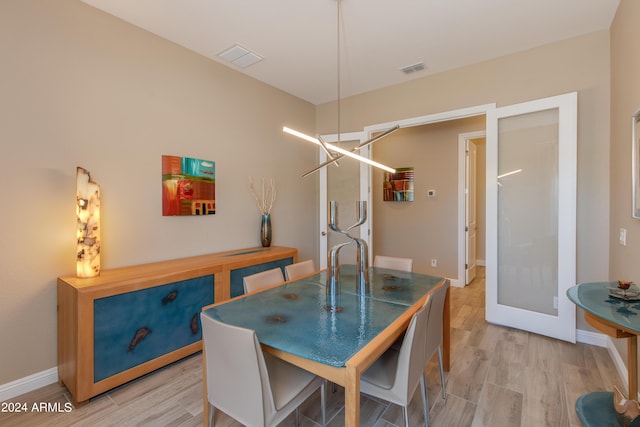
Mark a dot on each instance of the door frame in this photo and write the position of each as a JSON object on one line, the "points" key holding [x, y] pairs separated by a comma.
{"points": [[485, 109], [463, 138], [461, 113]]}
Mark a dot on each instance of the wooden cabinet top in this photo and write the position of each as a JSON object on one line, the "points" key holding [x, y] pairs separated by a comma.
{"points": [[151, 274]]}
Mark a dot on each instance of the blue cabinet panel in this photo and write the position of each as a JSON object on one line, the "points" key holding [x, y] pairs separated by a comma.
{"points": [[135, 327], [236, 276]]}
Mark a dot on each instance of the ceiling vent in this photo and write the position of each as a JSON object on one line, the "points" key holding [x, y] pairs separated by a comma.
{"points": [[240, 56], [411, 68]]}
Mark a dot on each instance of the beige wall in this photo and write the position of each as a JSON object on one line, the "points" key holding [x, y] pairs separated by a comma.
{"points": [[625, 100], [426, 228], [82, 88], [579, 64]]}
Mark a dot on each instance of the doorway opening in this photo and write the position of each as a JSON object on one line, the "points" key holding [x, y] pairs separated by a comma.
{"points": [[435, 250], [471, 204]]}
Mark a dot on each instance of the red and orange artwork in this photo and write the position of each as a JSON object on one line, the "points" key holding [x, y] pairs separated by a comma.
{"points": [[188, 186]]}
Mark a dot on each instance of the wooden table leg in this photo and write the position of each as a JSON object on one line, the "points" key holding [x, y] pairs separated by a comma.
{"points": [[352, 398], [446, 333], [632, 360]]}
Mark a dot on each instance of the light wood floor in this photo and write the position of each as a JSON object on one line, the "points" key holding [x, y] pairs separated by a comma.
{"points": [[499, 377]]}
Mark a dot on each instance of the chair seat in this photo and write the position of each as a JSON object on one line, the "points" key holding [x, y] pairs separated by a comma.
{"points": [[382, 372], [596, 410], [291, 380]]}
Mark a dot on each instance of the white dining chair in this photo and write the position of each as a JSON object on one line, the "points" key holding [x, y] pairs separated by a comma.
{"points": [[434, 330], [299, 269], [395, 376], [254, 388], [395, 263], [262, 280]]}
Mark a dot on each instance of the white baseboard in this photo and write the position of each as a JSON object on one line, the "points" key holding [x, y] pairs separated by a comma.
{"points": [[456, 283], [593, 338], [27, 384], [618, 362]]}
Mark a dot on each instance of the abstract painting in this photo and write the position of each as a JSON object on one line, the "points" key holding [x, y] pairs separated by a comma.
{"points": [[398, 187], [188, 186]]}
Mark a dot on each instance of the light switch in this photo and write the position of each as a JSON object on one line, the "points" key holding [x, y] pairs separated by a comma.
{"points": [[623, 236]]}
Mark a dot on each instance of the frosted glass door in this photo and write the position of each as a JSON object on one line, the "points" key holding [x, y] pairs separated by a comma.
{"points": [[533, 234], [528, 211]]}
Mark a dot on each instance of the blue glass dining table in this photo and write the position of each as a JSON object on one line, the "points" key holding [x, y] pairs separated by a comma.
{"points": [[292, 321]]}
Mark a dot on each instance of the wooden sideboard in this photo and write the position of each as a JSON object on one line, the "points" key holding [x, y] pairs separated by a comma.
{"points": [[133, 320]]}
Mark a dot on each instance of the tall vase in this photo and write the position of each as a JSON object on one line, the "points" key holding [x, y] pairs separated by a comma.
{"points": [[265, 230]]}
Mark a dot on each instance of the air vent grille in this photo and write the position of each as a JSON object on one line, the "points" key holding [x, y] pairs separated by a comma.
{"points": [[413, 68], [240, 56]]}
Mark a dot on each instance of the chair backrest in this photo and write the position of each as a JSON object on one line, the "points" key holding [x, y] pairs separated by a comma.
{"points": [[411, 359], [262, 280], [299, 269], [237, 378], [395, 263], [434, 322]]}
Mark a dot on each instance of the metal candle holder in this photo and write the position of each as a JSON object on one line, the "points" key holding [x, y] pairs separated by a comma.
{"points": [[362, 257]]}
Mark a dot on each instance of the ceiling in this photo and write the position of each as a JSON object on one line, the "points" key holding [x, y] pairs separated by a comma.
{"points": [[298, 38]]}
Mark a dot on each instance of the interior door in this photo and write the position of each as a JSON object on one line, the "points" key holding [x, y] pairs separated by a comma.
{"points": [[531, 216], [346, 184], [471, 225]]}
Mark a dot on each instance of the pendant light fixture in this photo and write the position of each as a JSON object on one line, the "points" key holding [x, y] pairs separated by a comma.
{"points": [[328, 148]]}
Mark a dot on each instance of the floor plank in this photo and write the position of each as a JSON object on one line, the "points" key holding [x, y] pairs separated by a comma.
{"points": [[498, 406], [544, 399]]}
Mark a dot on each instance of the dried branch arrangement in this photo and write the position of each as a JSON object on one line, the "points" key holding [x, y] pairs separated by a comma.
{"points": [[268, 197]]}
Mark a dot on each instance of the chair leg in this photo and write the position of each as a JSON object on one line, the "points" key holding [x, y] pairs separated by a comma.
{"points": [[425, 400], [323, 403], [212, 410], [444, 393], [405, 416]]}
